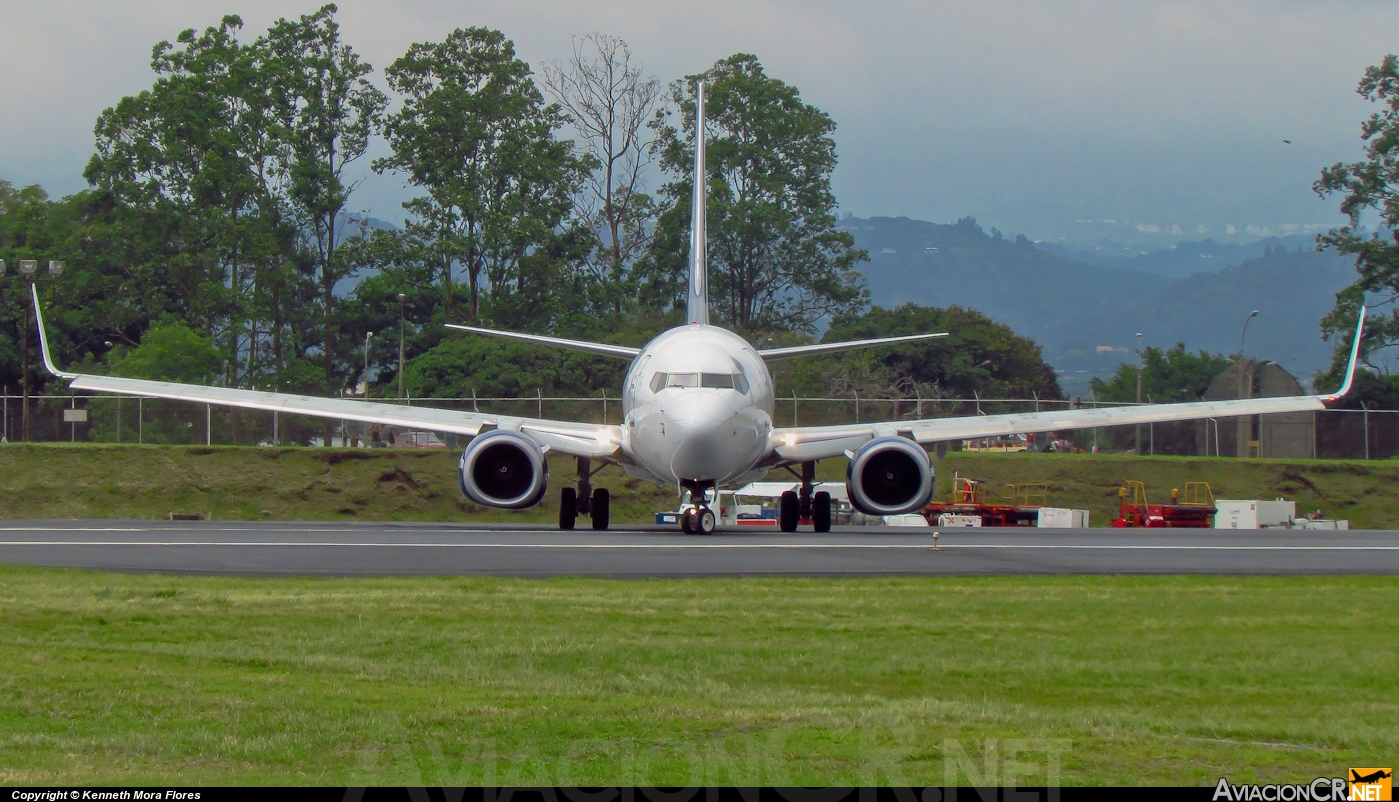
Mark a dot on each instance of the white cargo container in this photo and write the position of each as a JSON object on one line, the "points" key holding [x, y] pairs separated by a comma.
{"points": [[948, 519], [1061, 518], [1253, 513]]}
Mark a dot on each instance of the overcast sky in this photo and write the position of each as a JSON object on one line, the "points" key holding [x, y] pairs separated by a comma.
{"points": [[1031, 117]]}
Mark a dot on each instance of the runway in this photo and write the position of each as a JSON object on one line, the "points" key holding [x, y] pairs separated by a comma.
{"points": [[403, 549]]}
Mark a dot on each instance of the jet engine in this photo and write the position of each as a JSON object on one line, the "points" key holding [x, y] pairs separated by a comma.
{"points": [[506, 469], [889, 476]]}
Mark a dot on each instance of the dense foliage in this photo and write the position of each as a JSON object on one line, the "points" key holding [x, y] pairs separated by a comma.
{"points": [[215, 242], [1368, 187]]}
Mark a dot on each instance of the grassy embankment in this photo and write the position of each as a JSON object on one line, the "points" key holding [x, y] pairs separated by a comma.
{"points": [[128, 481], [121, 679]]}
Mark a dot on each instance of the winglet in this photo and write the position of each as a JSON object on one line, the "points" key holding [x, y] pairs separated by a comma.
{"points": [[44, 339], [1354, 358]]}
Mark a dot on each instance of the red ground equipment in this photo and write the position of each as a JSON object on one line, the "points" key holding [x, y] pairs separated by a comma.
{"points": [[1194, 510], [1021, 506]]}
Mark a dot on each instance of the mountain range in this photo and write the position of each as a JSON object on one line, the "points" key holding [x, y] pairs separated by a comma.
{"points": [[1086, 307]]}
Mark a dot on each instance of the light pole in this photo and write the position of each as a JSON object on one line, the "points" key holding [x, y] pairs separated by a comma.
{"points": [[1251, 316], [367, 335], [1243, 427], [1141, 368], [402, 300], [27, 268]]}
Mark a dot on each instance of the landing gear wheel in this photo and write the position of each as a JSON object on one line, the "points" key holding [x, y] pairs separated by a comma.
{"points": [[602, 503], [568, 507], [790, 512], [704, 522], [821, 511], [687, 521]]}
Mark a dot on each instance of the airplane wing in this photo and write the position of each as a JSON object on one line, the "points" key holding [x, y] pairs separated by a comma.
{"points": [[594, 441], [828, 348], [606, 349], [803, 443]]}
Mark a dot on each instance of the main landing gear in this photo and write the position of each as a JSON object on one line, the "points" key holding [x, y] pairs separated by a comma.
{"points": [[585, 499], [805, 506], [699, 519]]}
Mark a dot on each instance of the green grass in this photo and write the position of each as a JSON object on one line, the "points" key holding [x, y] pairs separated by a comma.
{"points": [[159, 680], [130, 481]]}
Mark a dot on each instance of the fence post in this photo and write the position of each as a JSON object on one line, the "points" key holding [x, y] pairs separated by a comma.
{"points": [[539, 392], [604, 406], [73, 425], [208, 425], [857, 405], [118, 419], [919, 410], [276, 436], [794, 407], [1366, 415], [140, 420], [474, 408]]}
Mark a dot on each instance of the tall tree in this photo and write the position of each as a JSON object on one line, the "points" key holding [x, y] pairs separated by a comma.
{"points": [[326, 111], [979, 356], [475, 134], [608, 104], [1368, 186], [776, 260], [1168, 375]]}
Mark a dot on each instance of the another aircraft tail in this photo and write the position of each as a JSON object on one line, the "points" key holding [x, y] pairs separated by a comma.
{"points": [[697, 303]]}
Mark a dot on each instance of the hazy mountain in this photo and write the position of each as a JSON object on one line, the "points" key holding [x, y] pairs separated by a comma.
{"points": [[1178, 261], [1087, 315]]}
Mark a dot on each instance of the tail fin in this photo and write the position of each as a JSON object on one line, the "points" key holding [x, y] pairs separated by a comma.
{"points": [[697, 305]]}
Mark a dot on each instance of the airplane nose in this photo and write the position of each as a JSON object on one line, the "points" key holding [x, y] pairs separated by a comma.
{"points": [[701, 423]]}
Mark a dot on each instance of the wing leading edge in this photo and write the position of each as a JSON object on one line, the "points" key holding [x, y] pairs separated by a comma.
{"points": [[799, 444], [594, 441]]}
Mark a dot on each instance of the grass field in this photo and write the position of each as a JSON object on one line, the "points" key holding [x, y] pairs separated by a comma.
{"points": [[153, 679], [130, 481]]}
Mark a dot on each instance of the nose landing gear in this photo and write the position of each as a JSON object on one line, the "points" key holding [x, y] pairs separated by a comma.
{"points": [[699, 519]]}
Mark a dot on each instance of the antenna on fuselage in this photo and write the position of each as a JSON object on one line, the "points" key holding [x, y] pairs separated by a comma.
{"points": [[697, 304]]}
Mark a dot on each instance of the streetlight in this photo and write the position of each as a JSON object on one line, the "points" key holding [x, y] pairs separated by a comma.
{"points": [[27, 268], [1251, 316], [1141, 368], [402, 300], [1243, 428], [367, 335]]}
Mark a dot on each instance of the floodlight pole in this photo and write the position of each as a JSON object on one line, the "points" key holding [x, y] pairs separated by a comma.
{"points": [[402, 299]]}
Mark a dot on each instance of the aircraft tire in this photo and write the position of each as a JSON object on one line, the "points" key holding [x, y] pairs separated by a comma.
{"points": [[821, 511], [687, 521], [790, 512], [602, 504], [568, 507], [705, 522]]}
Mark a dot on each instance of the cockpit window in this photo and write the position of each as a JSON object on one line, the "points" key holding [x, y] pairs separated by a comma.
{"points": [[714, 381]]}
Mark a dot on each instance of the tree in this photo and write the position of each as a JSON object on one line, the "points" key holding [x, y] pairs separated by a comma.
{"points": [[1170, 375], [608, 103], [979, 356], [475, 135], [1371, 185], [326, 110], [776, 260]]}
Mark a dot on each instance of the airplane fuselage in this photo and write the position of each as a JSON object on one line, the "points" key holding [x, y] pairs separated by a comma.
{"points": [[697, 406]]}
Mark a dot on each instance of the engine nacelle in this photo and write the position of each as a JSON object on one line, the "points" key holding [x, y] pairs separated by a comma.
{"points": [[890, 476], [505, 469]]}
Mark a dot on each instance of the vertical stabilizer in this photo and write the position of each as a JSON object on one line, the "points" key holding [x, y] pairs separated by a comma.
{"points": [[697, 305]]}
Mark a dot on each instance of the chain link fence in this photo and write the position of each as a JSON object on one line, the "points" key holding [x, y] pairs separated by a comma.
{"points": [[1343, 434]]}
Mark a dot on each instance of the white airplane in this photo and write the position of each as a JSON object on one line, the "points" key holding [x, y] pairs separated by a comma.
{"points": [[697, 413]]}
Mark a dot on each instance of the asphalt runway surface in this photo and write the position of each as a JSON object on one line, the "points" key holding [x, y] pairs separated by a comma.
{"points": [[405, 549]]}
